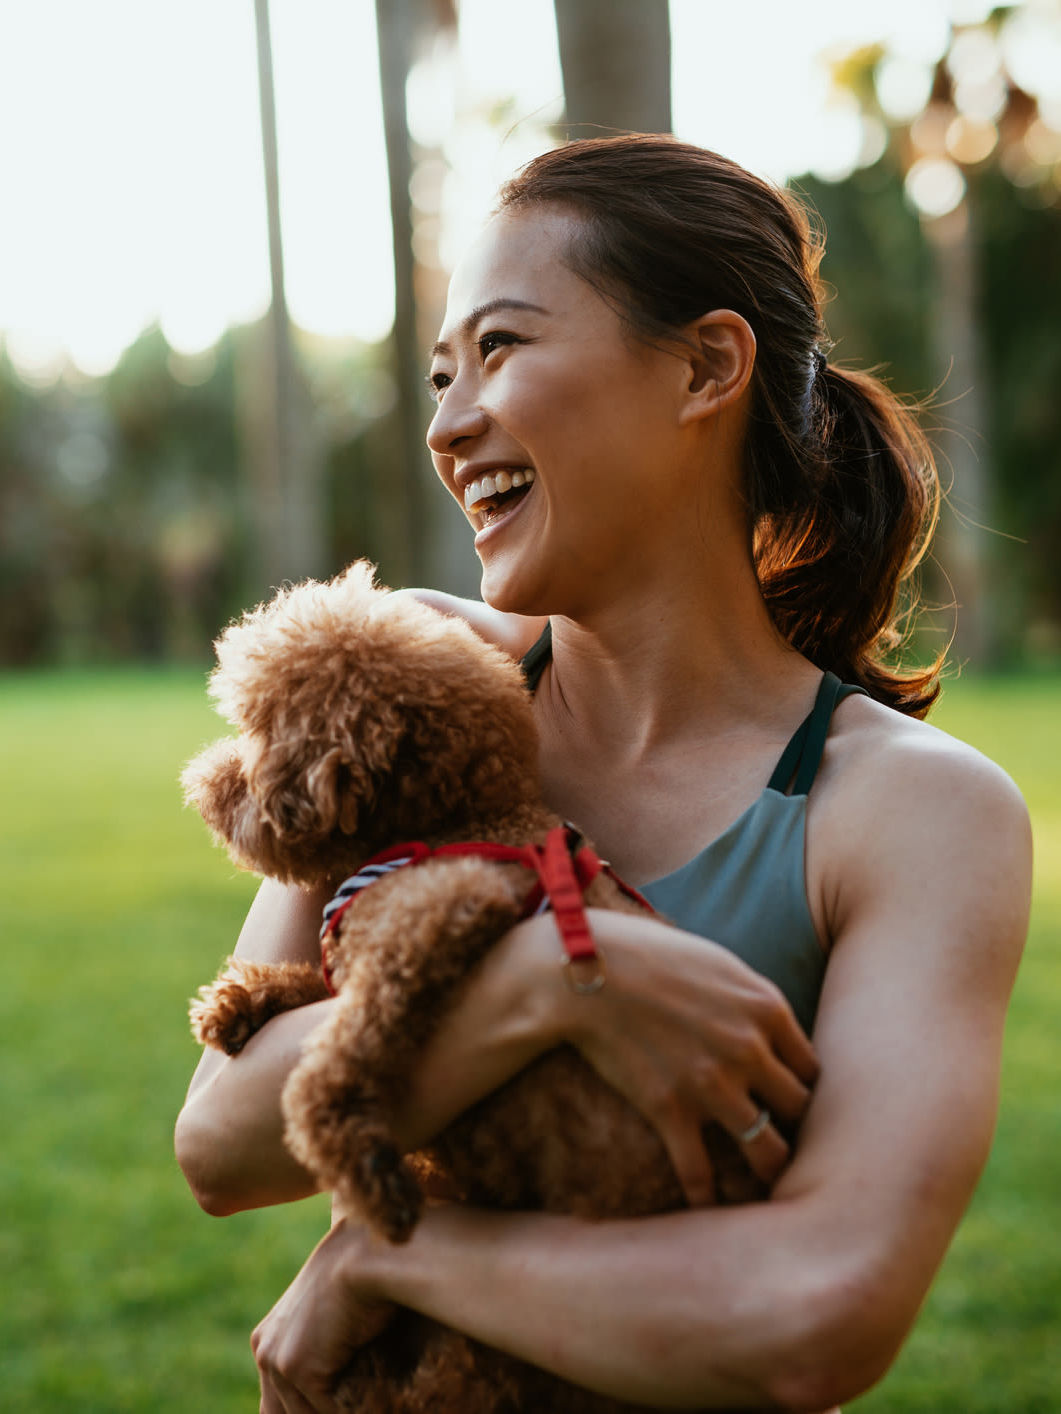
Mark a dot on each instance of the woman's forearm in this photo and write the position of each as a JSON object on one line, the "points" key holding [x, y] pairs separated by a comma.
{"points": [[229, 1136], [711, 1023], [722, 1308]]}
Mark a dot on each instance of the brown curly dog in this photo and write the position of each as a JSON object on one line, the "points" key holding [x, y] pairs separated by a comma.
{"points": [[366, 720]]}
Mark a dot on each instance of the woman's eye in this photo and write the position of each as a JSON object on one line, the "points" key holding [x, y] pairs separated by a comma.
{"points": [[496, 339], [438, 382]]}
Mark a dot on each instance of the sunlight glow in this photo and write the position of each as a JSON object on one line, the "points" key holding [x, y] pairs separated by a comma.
{"points": [[935, 186], [135, 193]]}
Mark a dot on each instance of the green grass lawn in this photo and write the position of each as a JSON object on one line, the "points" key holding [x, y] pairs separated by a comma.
{"points": [[116, 1293]]}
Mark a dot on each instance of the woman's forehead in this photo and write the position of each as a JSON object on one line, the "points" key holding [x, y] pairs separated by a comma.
{"points": [[518, 256]]}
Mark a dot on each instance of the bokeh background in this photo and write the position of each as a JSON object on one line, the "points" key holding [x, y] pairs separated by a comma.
{"points": [[226, 232]]}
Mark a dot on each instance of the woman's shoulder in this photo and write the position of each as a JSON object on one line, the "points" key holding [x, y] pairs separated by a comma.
{"points": [[515, 634], [877, 753], [907, 808]]}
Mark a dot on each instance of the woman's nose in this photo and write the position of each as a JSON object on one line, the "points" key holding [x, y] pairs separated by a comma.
{"points": [[457, 417]]}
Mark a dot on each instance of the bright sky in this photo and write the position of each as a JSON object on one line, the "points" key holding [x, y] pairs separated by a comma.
{"points": [[130, 162]]}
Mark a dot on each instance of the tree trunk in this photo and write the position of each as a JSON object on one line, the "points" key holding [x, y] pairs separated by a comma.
{"points": [[961, 545], [395, 24], [284, 463], [615, 57]]}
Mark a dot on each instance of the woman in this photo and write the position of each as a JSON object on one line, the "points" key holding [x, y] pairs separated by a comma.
{"points": [[636, 413]]}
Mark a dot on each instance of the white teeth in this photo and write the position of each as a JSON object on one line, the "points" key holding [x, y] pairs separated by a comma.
{"points": [[495, 484]]}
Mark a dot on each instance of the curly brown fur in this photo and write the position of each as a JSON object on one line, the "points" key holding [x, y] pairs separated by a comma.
{"points": [[246, 995], [365, 720]]}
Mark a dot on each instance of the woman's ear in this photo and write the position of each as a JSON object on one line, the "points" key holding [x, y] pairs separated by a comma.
{"points": [[720, 358]]}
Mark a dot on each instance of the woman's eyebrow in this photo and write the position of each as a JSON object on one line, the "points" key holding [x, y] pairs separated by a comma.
{"points": [[481, 312]]}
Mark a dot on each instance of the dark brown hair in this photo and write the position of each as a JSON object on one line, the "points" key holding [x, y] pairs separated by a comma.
{"points": [[840, 483]]}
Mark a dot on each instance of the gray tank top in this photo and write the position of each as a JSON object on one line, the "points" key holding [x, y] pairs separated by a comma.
{"points": [[747, 889]]}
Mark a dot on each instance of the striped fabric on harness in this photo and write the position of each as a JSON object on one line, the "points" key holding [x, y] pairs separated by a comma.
{"points": [[350, 888], [565, 865]]}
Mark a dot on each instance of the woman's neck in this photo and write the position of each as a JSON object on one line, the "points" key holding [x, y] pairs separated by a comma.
{"points": [[644, 670]]}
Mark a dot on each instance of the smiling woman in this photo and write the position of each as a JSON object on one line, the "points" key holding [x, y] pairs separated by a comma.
{"points": [[694, 530], [540, 379]]}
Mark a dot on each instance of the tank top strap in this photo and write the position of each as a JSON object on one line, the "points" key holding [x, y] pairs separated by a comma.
{"points": [[802, 756], [534, 661]]}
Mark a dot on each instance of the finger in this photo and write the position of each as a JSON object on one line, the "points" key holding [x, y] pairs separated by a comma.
{"points": [[292, 1400], [272, 1401], [783, 1094], [793, 1047], [685, 1146], [764, 1148]]}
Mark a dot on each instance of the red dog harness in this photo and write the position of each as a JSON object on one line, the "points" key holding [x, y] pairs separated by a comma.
{"points": [[565, 867]]}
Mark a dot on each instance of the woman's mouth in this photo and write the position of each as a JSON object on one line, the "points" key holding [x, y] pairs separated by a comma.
{"points": [[493, 494]]}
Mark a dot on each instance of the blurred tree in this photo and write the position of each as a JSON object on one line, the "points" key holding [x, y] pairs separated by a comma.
{"points": [[127, 529], [972, 132], [615, 57], [280, 454], [404, 28], [118, 510]]}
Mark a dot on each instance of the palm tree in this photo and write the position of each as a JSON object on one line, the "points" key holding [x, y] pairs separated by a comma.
{"points": [[615, 57], [939, 150], [284, 464], [403, 28]]}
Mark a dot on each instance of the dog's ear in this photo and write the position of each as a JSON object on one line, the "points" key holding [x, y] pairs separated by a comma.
{"points": [[319, 797], [300, 791]]}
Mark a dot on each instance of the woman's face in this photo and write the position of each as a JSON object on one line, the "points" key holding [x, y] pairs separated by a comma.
{"points": [[571, 421]]}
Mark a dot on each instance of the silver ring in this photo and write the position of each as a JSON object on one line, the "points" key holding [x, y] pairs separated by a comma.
{"points": [[758, 1124]]}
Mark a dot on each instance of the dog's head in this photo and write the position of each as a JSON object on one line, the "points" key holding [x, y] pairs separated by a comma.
{"points": [[364, 719]]}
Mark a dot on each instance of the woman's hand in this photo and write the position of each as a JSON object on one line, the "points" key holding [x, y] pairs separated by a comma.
{"points": [[688, 1033], [310, 1336], [682, 1028]]}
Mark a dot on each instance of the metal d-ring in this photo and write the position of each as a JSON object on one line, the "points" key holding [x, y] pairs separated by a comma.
{"points": [[594, 983]]}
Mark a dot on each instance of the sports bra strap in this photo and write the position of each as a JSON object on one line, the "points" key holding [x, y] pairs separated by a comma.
{"points": [[534, 661], [802, 756]]}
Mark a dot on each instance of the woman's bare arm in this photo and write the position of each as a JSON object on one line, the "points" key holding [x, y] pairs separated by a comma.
{"points": [[229, 1134], [805, 1300], [515, 633], [684, 1028]]}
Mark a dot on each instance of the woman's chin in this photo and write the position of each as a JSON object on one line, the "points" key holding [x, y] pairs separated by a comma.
{"points": [[510, 588]]}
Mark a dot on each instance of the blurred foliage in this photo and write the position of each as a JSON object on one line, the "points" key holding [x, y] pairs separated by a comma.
{"points": [[1020, 303], [943, 248], [878, 270], [124, 525], [126, 530]]}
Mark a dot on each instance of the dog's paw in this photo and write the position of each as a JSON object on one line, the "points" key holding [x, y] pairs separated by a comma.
{"points": [[222, 1016]]}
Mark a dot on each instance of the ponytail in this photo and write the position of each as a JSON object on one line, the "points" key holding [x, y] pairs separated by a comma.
{"points": [[845, 535], [841, 489]]}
